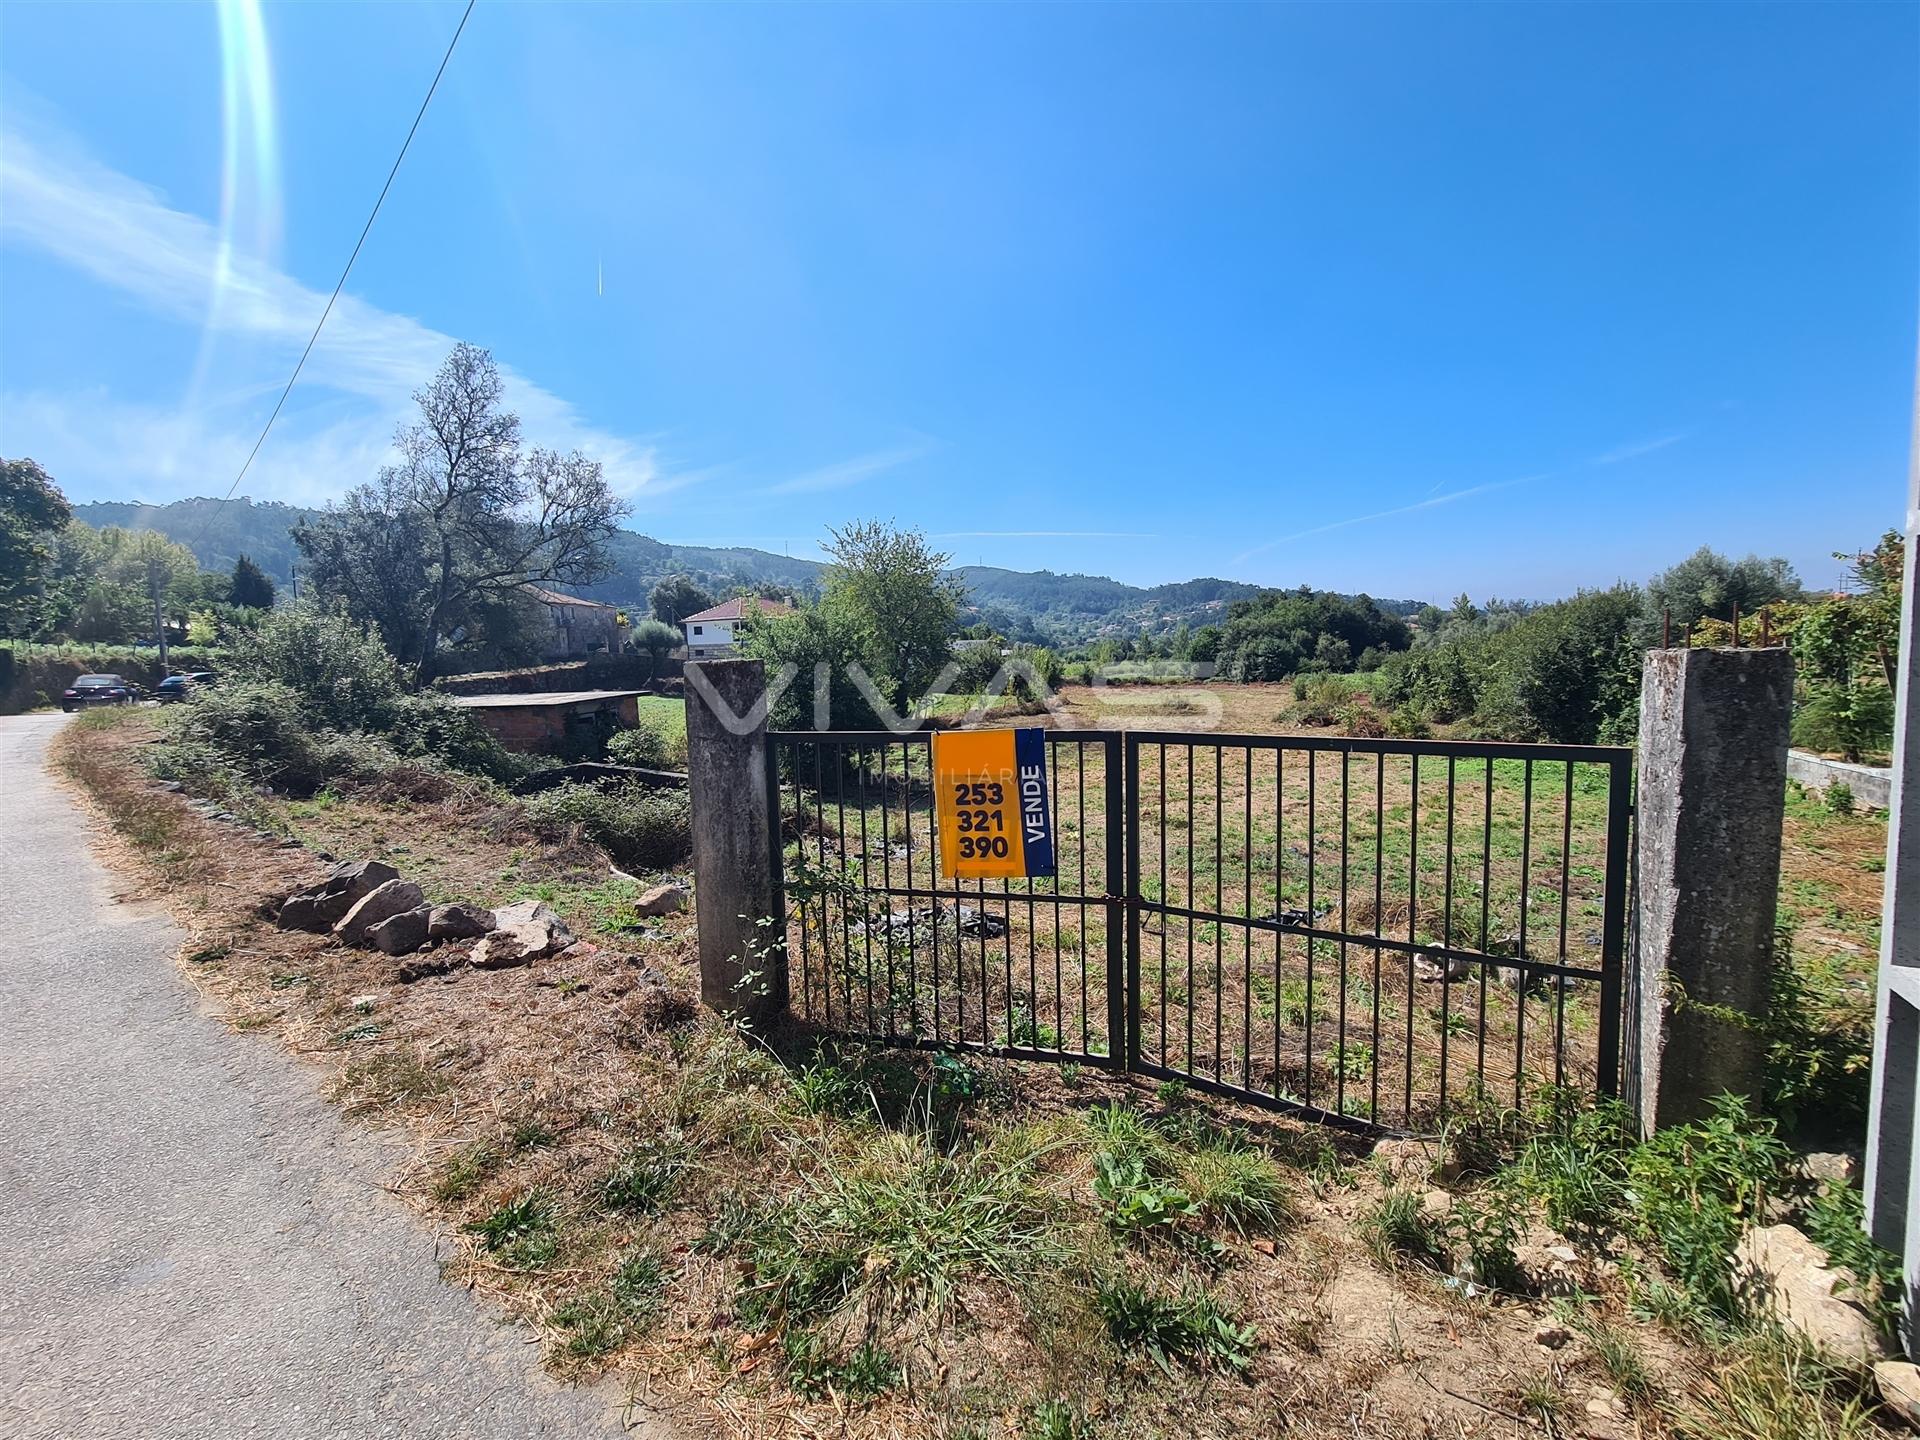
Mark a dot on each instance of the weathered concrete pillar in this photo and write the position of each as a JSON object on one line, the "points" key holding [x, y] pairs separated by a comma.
{"points": [[743, 963], [1712, 796]]}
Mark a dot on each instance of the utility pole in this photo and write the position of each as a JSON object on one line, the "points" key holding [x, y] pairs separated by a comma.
{"points": [[159, 619]]}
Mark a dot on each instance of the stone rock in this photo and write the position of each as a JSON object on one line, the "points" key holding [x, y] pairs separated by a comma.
{"points": [[425, 966], [377, 905], [401, 934], [1790, 1279], [1406, 1159], [920, 925], [320, 907], [1439, 969], [522, 933], [1831, 1167], [662, 900], [1436, 1204], [1898, 1382], [458, 922]]}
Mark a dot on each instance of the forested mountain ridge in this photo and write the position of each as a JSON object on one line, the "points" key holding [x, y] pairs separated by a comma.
{"points": [[1039, 606]]}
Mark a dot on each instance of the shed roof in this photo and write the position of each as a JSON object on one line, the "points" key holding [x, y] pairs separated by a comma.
{"points": [[539, 699]]}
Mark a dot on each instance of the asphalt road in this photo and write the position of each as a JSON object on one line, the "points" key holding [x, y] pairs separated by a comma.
{"points": [[192, 1242]]}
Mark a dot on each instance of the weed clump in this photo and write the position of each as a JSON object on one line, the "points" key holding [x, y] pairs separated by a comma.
{"points": [[641, 827]]}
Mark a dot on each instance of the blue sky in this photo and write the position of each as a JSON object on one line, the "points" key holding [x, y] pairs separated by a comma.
{"points": [[1410, 298]]}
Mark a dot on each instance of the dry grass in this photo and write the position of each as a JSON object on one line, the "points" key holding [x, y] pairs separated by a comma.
{"points": [[631, 1179]]}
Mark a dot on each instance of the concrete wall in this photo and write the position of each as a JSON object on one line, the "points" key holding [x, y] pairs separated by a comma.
{"points": [[1872, 785]]}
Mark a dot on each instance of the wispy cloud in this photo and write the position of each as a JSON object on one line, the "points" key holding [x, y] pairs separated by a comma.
{"points": [[1608, 457], [56, 199], [1043, 535], [1431, 502], [1638, 448], [841, 474]]}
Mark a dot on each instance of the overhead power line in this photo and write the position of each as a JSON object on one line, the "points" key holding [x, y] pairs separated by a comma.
{"points": [[340, 285]]}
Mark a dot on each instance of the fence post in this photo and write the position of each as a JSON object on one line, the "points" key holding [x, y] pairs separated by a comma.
{"points": [[1712, 797], [743, 963]]}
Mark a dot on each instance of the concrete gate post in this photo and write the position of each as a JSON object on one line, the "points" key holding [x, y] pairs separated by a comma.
{"points": [[1712, 796], [743, 960]]}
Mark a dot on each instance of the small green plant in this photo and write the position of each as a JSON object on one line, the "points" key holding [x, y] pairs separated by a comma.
{"points": [[1189, 1326], [639, 1285], [813, 1372], [464, 1172], [1135, 1201], [644, 1177], [1695, 1188], [523, 1233], [1839, 798], [530, 1134], [1485, 1226], [1056, 1420], [1397, 1231], [1772, 1385], [1837, 1222], [593, 1323]]}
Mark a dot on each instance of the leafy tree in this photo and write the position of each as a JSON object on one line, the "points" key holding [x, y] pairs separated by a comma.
{"points": [[1845, 650], [657, 638], [1567, 672], [888, 606], [1281, 632], [890, 593], [467, 516], [1708, 585], [677, 597], [32, 512], [250, 587]]}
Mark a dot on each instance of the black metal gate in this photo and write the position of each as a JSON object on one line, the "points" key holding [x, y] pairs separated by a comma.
{"points": [[1372, 932]]}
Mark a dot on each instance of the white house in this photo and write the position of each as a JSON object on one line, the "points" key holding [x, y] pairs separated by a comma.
{"points": [[711, 633]]}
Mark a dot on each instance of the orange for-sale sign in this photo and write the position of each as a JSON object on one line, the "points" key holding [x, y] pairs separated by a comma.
{"points": [[990, 798]]}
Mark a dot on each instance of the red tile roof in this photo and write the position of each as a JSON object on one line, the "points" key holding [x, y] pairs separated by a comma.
{"points": [[737, 610]]}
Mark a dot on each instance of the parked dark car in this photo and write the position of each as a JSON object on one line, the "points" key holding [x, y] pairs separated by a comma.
{"points": [[99, 690], [178, 687]]}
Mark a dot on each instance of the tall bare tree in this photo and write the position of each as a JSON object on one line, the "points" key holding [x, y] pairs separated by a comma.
{"points": [[463, 521]]}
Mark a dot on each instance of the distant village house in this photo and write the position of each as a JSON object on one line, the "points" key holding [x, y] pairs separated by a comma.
{"points": [[714, 633], [579, 627]]}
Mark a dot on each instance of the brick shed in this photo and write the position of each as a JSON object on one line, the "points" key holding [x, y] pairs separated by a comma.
{"points": [[542, 723]]}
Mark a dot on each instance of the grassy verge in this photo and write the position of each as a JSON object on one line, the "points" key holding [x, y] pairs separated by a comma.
{"points": [[789, 1239]]}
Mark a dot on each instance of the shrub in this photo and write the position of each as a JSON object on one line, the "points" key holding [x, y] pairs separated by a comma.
{"points": [[642, 746], [1848, 720], [1362, 723], [256, 727], [1405, 723], [430, 726], [341, 674], [640, 826]]}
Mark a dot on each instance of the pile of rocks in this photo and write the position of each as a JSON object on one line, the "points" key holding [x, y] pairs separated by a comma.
{"points": [[365, 902], [919, 925]]}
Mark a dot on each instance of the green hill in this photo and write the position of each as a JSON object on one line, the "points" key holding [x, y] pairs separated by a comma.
{"points": [[1032, 605]]}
